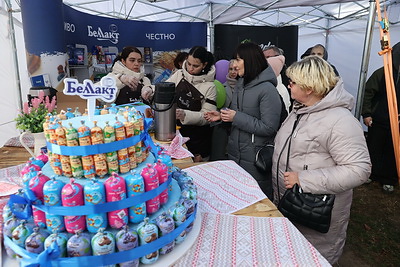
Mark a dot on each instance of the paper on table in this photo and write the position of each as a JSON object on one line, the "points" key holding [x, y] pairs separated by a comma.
{"points": [[175, 149]]}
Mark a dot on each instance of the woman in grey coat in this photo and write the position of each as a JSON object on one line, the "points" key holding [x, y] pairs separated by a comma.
{"points": [[255, 112], [328, 153]]}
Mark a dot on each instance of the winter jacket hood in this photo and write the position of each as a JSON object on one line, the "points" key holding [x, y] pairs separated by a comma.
{"points": [[337, 97], [195, 79], [277, 64], [266, 75], [230, 81], [120, 69]]}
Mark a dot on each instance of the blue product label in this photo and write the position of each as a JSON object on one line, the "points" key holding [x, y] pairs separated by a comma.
{"points": [[89, 171], [96, 221], [122, 162], [137, 213], [55, 222], [134, 184], [94, 198], [52, 199]]}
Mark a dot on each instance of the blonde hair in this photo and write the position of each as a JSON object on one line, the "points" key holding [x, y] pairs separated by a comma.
{"points": [[313, 73]]}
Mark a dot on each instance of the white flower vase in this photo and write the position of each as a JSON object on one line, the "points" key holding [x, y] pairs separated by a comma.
{"points": [[40, 141]]}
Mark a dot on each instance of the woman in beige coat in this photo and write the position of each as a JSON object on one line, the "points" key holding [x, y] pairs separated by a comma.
{"points": [[328, 153], [196, 94], [129, 76]]}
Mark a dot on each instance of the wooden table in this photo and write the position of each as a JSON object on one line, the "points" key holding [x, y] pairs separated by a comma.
{"points": [[11, 156]]}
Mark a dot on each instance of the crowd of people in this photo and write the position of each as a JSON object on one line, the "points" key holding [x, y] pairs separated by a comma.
{"points": [[302, 109]]}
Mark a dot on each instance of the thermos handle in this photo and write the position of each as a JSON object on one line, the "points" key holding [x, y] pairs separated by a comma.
{"points": [[153, 107]]}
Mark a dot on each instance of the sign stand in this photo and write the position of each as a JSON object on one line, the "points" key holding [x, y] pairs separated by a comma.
{"points": [[107, 92]]}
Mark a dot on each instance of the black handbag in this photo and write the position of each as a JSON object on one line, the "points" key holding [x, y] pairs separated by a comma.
{"points": [[263, 160], [311, 210]]}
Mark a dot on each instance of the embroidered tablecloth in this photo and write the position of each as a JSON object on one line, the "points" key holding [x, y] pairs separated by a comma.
{"points": [[12, 174], [29, 140], [224, 187], [228, 240]]}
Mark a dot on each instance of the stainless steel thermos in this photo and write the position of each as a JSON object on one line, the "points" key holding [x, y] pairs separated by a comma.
{"points": [[164, 106]]}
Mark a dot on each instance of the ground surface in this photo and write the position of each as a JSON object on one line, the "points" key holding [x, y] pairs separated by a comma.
{"points": [[373, 236]]}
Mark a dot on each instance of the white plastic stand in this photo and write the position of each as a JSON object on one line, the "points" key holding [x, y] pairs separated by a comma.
{"points": [[163, 260]]}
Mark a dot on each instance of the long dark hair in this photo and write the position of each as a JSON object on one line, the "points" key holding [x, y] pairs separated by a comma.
{"points": [[201, 53], [125, 53], [254, 60], [180, 57]]}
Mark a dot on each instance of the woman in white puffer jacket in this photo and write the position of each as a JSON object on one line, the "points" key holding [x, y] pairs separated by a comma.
{"points": [[328, 153]]}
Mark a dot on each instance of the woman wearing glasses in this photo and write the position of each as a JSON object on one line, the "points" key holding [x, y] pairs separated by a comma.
{"points": [[321, 147]]}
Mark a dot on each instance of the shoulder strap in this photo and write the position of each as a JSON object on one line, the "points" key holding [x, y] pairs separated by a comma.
{"points": [[288, 141], [212, 102], [296, 122]]}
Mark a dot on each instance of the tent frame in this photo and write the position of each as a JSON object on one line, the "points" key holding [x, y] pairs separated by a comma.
{"points": [[257, 16]]}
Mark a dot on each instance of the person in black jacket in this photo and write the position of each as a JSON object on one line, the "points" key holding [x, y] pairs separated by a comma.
{"points": [[320, 50], [375, 112]]}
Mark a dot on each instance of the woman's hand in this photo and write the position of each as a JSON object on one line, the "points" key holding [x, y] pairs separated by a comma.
{"points": [[147, 93], [180, 114], [291, 178], [227, 114], [212, 116], [368, 121], [129, 81]]}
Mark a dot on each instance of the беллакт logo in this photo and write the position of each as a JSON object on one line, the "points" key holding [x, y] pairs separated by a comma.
{"points": [[107, 91], [111, 35]]}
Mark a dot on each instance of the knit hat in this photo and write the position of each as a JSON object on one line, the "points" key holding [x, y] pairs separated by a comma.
{"points": [[276, 63]]}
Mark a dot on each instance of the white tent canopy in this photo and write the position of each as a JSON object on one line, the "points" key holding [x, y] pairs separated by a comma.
{"points": [[339, 25], [251, 12]]}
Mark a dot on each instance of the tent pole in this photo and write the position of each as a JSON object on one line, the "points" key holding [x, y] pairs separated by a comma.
{"points": [[211, 27], [327, 31], [365, 58], [14, 48]]}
